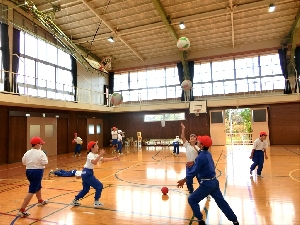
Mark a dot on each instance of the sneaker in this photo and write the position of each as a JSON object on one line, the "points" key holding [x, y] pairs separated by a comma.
{"points": [[236, 223], [201, 222], [98, 204], [251, 172], [23, 214], [51, 172], [79, 155], [261, 176], [208, 197], [42, 202], [74, 156], [75, 202]]}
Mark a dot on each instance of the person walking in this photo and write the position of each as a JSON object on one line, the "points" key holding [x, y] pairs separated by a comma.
{"points": [[259, 153]]}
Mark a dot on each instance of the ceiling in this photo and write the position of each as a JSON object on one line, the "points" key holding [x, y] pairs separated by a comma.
{"points": [[145, 31]]}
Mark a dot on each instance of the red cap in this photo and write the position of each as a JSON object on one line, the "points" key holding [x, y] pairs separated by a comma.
{"points": [[114, 128], [36, 140], [205, 140], [90, 144], [263, 133]]}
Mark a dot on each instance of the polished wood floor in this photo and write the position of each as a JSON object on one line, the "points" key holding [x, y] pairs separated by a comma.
{"points": [[132, 189]]}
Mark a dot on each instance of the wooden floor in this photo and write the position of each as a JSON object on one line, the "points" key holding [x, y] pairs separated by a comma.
{"points": [[132, 189]]}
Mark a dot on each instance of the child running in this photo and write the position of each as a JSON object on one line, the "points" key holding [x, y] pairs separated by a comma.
{"points": [[87, 175], [34, 160]]}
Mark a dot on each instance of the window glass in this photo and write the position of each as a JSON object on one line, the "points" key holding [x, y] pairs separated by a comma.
{"points": [[270, 65], [246, 67], [171, 92], [46, 75], [51, 54], [121, 82], [31, 45], [222, 70], [254, 84], [218, 88], [172, 76], [229, 87], [29, 71], [63, 80], [242, 85], [42, 50], [202, 72], [133, 76], [142, 79]]}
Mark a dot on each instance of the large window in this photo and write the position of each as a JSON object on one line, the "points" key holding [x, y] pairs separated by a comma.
{"points": [[255, 73], [44, 69]]}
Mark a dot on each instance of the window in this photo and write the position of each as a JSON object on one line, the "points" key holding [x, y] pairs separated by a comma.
{"points": [[172, 76], [202, 72], [246, 67], [44, 69], [121, 82], [223, 70], [270, 65], [166, 117]]}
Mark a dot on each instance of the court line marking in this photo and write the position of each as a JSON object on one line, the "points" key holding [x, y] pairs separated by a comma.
{"points": [[290, 174]]}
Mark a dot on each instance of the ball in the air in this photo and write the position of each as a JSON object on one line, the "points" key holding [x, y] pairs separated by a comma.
{"points": [[186, 85], [116, 99], [183, 43], [164, 190]]}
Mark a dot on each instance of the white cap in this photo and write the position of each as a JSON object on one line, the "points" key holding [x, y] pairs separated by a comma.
{"points": [[119, 131]]}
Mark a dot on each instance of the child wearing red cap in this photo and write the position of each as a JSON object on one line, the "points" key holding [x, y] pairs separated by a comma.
{"points": [[34, 160], [87, 175], [259, 153], [204, 168]]}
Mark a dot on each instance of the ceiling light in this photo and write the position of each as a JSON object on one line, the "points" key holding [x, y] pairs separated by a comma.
{"points": [[181, 25], [271, 8], [111, 39]]}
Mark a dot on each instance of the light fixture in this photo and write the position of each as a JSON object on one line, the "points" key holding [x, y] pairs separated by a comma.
{"points": [[181, 25], [111, 39], [271, 8]]}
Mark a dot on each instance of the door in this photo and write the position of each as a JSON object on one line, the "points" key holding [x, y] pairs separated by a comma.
{"points": [[259, 118], [217, 127], [95, 131], [45, 128]]}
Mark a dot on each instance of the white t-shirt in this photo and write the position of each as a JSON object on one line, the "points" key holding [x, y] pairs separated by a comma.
{"points": [[119, 137], [90, 157], [260, 145], [114, 134], [191, 153], [35, 159], [78, 140]]}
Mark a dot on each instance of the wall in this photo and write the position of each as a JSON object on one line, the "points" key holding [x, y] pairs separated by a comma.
{"points": [[284, 126]]}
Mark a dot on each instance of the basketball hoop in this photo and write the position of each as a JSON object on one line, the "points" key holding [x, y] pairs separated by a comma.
{"points": [[197, 111]]}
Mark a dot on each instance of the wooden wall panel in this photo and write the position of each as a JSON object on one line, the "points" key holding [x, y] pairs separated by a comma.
{"points": [[82, 131], [284, 124], [4, 121], [17, 138], [72, 128], [62, 136]]}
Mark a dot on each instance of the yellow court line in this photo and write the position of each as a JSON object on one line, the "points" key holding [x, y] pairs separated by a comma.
{"points": [[290, 174]]}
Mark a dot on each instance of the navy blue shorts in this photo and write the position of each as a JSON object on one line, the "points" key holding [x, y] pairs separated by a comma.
{"points": [[35, 177], [114, 141]]}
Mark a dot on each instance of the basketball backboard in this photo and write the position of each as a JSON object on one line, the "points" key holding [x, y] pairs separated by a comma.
{"points": [[198, 107]]}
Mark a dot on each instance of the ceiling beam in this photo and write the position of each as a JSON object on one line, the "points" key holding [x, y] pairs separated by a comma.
{"points": [[232, 26], [159, 8], [112, 29]]}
